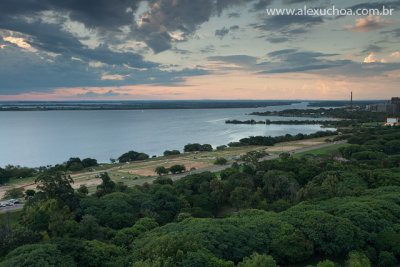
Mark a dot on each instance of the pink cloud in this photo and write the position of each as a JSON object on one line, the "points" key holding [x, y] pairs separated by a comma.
{"points": [[369, 23]]}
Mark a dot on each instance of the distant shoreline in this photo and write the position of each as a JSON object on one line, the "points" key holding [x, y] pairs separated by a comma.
{"points": [[139, 105], [166, 104]]}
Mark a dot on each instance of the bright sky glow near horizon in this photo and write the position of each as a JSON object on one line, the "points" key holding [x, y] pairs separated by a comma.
{"points": [[205, 49]]}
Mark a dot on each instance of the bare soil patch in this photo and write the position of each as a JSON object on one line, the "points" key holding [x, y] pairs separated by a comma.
{"points": [[149, 170]]}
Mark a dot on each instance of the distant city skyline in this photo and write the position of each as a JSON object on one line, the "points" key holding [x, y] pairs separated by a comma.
{"points": [[208, 49]]}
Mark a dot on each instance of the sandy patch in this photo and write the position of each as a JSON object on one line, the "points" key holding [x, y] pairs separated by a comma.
{"points": [[149, 170]]}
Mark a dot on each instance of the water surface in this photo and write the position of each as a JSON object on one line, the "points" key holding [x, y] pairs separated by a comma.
{"points": [[37, 138]]}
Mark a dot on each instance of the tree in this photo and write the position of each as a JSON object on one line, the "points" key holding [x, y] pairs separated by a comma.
{"points": [[171, 152], [74, 164], [37, 255], [240, 197], [15, 192], [197, 147], [160, 170], [57, 187], [89, 228], [357, 259], [88, 162], [177, 169], [29, 193], [15, 237], [83, 189], [220, 161], [387, 259], [97, 253], [257, 260], [106, 187], [132, 156]]}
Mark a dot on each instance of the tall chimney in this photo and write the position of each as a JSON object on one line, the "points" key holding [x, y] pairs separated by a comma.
{"points": [[351, 100]]}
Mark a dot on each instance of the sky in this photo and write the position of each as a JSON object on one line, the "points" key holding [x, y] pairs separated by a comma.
{"points": [[203, 49]]}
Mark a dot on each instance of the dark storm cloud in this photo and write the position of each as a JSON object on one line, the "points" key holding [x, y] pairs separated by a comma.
{"points": [[24, 72], [178, 15], [51, 38], [93, 13]]}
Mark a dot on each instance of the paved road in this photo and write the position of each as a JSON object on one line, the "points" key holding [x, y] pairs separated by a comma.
{"points": [[11, 208], [175, 177]]}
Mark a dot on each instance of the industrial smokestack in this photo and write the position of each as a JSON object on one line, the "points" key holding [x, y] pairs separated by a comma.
{"points": [[351, 100]]}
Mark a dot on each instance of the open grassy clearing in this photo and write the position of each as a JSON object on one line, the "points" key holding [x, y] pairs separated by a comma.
{"points": [[320, 151], [122, 172]]}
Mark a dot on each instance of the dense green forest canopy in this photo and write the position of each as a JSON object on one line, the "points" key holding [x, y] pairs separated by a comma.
{"points": [[343, 206]]}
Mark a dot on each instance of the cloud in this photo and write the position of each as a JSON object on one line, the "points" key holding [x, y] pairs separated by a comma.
{"points": [[118, 77], [166, 16], [372, 48], [224, 31], [53, 38], [103, 14], [22, 71], [234, 15], [20, 42], [261, 5], [394, 32], [292, 60], [372, 58], [92, 94], [235, 60], [288, 23], [376, 5], [221, 32], [395, 54], [369, 23], [276, 40]]}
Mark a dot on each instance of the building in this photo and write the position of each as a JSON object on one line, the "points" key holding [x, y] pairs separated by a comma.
{"points": [[392, 121], [393, 106]]}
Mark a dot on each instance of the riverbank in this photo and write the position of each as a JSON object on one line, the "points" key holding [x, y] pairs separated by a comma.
{"points": [[140, 172]]}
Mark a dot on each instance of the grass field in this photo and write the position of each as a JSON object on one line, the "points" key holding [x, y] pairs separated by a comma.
{"points": [[139, 170], [320, 151]]}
